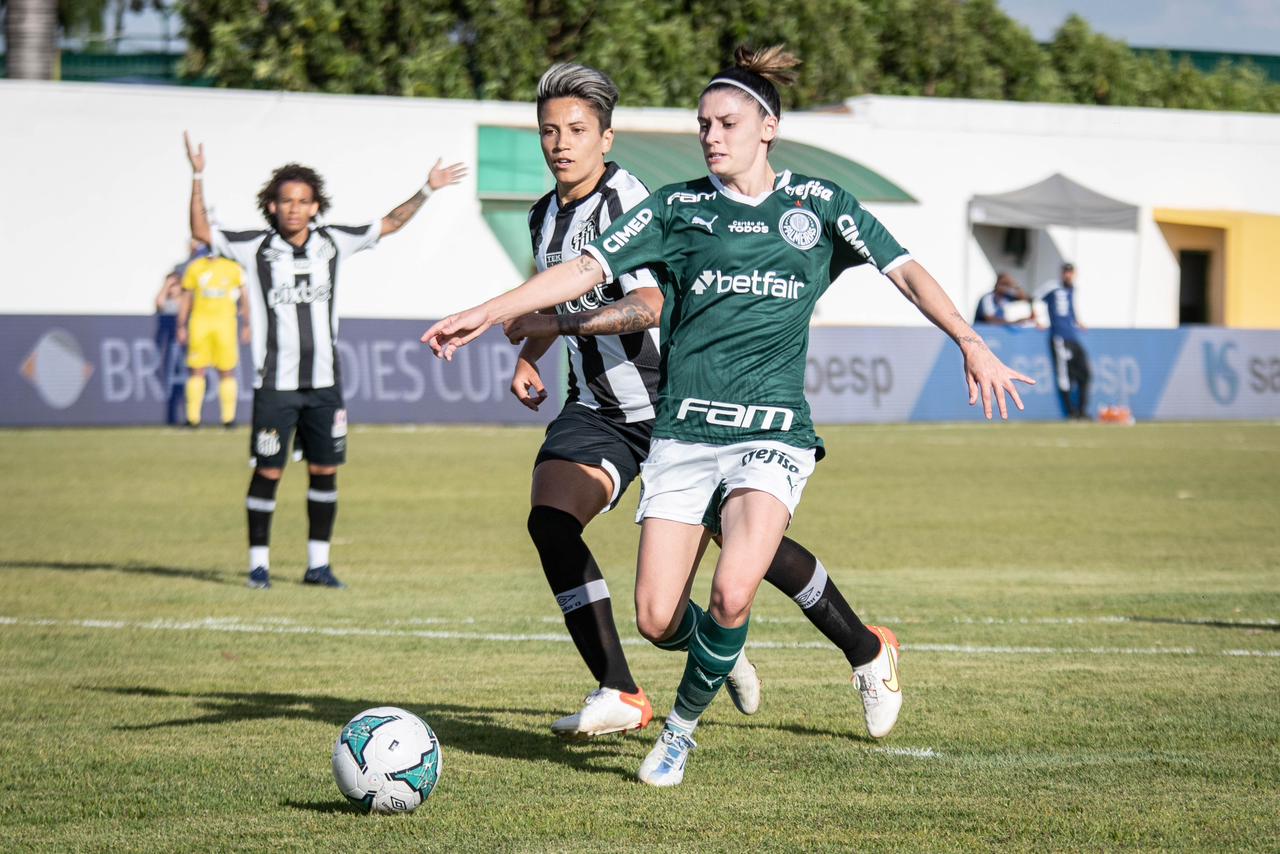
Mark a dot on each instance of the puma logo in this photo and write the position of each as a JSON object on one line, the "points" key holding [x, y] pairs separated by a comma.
{"points": [[697, 220]]}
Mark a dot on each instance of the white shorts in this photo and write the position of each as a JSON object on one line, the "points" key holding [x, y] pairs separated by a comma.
{"points": [[680, 478]]}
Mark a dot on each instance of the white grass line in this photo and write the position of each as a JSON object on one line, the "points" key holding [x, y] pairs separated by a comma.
{"points": [[914, 752], [1113, 619], [233, 626], [1066, 621]]}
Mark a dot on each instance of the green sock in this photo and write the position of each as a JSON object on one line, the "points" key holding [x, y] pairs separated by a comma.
{"points": [[713, 651], [679, 641]]}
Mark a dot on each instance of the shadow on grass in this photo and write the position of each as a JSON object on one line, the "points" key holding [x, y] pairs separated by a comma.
{"points": [[1213, 624], [474, 729], [213, 576], [850, 734]]}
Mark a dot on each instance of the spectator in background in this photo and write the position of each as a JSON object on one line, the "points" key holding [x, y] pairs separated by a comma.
{"points": [[168, 303], [998, 306], [1070, 362], [211, 289]]}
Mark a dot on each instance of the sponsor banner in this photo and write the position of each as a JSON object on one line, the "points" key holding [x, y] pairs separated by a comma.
{"points": [[859, 375], [117, 370], [78, 370], [1129, 368], [1223, 373]]}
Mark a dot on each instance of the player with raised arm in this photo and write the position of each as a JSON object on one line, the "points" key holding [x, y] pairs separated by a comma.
{"points": [[291, 276], [595, 446], [732, 418]]}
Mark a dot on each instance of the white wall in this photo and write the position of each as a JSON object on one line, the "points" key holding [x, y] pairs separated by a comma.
{"points": [[945, 151], [93, 209], [94, 183]]}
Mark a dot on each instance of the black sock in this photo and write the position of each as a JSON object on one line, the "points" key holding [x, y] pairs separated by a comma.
{"points": [[322, 507], [262, 504], [582, 594], [797, 573]]}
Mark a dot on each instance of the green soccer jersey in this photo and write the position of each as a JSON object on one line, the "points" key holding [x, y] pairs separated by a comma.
{"points": [[742, 277]]}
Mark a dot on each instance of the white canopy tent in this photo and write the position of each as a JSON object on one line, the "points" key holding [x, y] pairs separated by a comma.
{"points": [[1057, 201]]}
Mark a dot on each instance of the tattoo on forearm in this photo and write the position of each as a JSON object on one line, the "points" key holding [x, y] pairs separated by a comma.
{"points": [[616, 319], [404, 212], [970, 339], [586, 264]]}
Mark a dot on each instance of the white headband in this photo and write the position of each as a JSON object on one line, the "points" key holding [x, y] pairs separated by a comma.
{"points": [[745, 88]]}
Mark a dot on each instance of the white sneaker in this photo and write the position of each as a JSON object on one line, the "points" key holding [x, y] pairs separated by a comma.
{"points": [[743, 685], [877, 682], [664, 766], [606, 710]]}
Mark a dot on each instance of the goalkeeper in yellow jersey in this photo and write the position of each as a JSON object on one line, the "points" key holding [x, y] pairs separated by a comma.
{"points": [[211, 300]]}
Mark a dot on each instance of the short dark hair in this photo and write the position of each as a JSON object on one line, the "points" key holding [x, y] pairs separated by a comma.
{"points": [[270, 191], [566, 80]]}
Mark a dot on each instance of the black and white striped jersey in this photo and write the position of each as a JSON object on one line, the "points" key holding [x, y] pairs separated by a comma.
{"points": [[616, 375], [292, 291]]}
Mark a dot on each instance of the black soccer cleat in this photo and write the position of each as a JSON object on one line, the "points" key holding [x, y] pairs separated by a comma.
{"points": [[322, 576], [259, 578]]}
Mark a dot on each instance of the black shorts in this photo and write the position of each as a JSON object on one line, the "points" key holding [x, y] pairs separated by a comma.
{"points": [[317, 414], [579, 434]]}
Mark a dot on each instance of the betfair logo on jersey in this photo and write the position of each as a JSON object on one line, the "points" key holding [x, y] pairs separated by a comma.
{"points": [[849, 231], [617, 240], [811, 189], [299, 294], [736, 415], [766, 284], [740, 227], [686, 198]]}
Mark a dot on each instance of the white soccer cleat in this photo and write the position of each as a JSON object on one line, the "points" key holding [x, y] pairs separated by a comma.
{"points": [[877, 681], [606, 710], [743, 685], [664, 766]]}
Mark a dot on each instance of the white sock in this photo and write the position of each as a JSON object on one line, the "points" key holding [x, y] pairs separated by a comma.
{"points": [[681, 725], [317, 553], [259, 557]]}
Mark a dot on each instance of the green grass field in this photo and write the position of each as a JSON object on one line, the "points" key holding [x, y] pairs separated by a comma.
{"points": [[1089, 617]]}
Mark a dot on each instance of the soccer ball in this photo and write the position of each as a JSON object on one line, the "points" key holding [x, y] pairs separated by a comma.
{"points": [[387, 760]]}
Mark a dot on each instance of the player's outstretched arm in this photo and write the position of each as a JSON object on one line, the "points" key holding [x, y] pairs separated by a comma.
{"points": [[199, 218], [439, 176], [639, 310], [550, 287], [985, 374]]}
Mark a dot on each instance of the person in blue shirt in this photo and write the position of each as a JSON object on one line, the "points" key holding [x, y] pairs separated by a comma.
{"points": [[993, 308], [1070, 362]]}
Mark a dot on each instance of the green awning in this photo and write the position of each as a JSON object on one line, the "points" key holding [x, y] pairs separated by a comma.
{"points": [[511, 164], [511, 174], [665, 158]]}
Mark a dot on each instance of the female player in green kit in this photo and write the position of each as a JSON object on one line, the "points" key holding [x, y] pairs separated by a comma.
{"points": [[594, 448], [746, 253]]}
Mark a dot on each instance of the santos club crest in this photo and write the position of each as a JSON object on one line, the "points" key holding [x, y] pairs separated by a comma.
{"points": [[800, 228]]}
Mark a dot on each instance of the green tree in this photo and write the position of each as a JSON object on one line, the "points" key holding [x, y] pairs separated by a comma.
{"points": [[661, 52], [360, 46]]}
